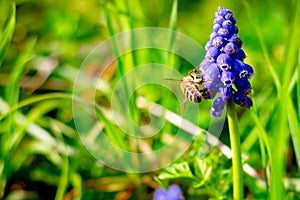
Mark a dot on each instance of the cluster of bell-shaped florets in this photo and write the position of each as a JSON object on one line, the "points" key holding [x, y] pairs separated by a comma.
{"points": [[223, 68]]}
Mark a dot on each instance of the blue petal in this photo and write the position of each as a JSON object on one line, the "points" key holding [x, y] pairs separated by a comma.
{"points": [[243, 85], [240, 55], [250, 70], [242, 100], [215, 113], [218, 20], [216, 26], [227, 78], [223, 32], [218, 41], [212, 53], [218, 104], [208, 45], [225, 92], [234, 38], [160, 194], [174, 193], [230, 49], [224, 61], [227, 24]]}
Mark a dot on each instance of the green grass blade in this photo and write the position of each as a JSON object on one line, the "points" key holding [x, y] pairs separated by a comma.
{"points": [[254, 22], [173, 18], [76, 181], [298, 86], [292, 48], [120, 68], [294, 127], [13, 84], [12, 90], [262, 133], [291, 63], [7, 33], [35, 99], [64, 179], [172, 26], [279, 149]]}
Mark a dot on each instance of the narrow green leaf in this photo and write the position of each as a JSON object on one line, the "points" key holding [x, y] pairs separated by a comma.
{"points": [[76, 181], [292, 48], [262, 133], [173, 17], [290, 67], [294, 127], [12, 92], [13, 84], [8, 32], [64, 179], [255, 24], [298, 86]]}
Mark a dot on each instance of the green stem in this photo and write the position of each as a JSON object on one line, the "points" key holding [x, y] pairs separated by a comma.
{"points": [[238, 185], [64, 179]]}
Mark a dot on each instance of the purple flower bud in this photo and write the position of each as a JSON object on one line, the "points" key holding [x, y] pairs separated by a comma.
{"points": [[218, 41], [234, 29], [234, 38], [243, 85], [240, 54], [222, 11], [242, 100], [230, 49], [223, 32], [224, 61], [218, 104], [216, 27], [208, 45], [249, 70], [218, 20], [241, 70], [215, 113], [227, 78], [213, 35], [227, 24], [212, 53], [225, 92], [229, 16]]}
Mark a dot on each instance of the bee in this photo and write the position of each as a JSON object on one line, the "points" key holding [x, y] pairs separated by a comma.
{"points": [[190, 86]]}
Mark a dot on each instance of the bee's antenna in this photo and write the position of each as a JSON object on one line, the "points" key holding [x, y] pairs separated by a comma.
{"points": [[171, 79]]}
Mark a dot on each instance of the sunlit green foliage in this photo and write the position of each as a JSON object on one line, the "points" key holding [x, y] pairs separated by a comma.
{"points": [[42, 45]]}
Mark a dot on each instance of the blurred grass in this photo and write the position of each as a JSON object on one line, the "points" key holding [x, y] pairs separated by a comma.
{"points": [[40, 150], [8, 28]]}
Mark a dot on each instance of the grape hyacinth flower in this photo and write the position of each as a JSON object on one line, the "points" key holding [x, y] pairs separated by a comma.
{"points": [[173, 193], [224, 67]]}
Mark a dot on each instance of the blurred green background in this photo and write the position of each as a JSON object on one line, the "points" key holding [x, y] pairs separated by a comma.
{"points": [[42, 45]]}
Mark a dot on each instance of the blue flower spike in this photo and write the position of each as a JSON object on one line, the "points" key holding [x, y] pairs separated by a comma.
{"points": [[228, 77], [173, 193]]}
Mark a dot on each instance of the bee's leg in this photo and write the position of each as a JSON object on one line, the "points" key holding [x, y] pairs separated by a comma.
{"points": [[182, 104], [205, 93], [197, 69]]}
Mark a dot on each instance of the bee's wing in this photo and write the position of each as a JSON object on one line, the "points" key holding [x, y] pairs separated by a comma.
{"points": [[203, 66], [206, 63]]}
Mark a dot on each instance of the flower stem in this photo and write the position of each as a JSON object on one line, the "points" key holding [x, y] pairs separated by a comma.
{"points": [[238, 185]]}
